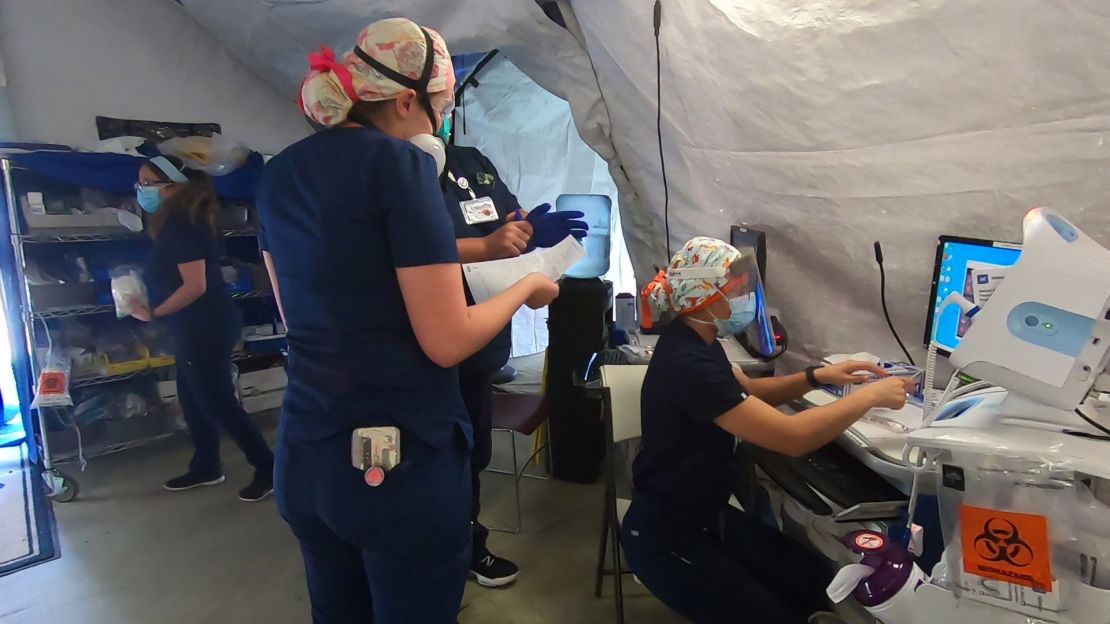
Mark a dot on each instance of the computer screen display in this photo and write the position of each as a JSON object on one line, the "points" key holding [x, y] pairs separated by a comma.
{"points": [[969, 266]]}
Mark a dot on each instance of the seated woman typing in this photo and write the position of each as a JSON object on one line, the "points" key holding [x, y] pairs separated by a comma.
{"points": [[704, 559]]}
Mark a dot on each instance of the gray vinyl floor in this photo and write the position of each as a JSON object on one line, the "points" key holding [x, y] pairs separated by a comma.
{"points": [[133, 553]]}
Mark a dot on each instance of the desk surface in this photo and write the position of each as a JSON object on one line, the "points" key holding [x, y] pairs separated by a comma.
{"points": [[736, 354]]}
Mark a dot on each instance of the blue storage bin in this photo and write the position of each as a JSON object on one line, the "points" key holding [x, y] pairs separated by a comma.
{"points": [[267, 344], [242, 282]]}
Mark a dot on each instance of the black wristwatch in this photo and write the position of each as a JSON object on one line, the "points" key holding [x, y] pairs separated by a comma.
{"points": [[811, 377]]}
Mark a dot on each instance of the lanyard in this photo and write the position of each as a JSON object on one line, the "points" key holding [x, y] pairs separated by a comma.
{"points": [[468, 189]]}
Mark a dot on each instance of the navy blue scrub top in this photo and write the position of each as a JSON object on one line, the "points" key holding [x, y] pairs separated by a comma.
{"points": [[341, 211], [179, 242], [687, 464], [481, 176]]}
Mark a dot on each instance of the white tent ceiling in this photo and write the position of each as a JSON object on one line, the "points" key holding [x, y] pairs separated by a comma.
{"points": [[830, 124]]}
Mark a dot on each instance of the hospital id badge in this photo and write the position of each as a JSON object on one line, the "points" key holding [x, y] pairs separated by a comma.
{"points": [[480, 210], [375, 451]]}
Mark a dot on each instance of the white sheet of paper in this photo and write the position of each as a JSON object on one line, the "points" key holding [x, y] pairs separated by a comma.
{"points": [[862, 356], [872, 428], [486, 279], [984, 282]]}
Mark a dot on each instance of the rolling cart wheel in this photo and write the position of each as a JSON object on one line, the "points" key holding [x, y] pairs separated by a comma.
{"points": [[66, 488]]}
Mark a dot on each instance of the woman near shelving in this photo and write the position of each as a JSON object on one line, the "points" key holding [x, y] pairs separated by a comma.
{"points": [[187, 293]]}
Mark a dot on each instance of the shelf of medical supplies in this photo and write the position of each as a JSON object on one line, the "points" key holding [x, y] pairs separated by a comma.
{"points": [[91, 237], [95, 380], [107, 448], [81, 310], [77, 310], [63, 236]]}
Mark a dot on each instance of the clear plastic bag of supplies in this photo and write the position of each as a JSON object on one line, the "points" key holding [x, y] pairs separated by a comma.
{"points": [[1025, 534], [128, 290], [119, 345], [216, 155], [53, 387]]}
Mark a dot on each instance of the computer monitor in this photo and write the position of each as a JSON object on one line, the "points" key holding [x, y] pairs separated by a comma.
{"points": [[740, 237], [962, 265]]}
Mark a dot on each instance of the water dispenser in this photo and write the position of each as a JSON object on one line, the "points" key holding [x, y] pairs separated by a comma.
{"points": [[598, 210]]}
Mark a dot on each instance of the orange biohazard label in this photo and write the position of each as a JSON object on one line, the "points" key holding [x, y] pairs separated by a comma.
{"points": [[1006, 546], [51, 382]]}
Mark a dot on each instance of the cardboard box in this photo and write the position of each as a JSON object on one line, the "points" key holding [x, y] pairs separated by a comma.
{"points": [[167, 391], [48, 296], [263, 382], [895, 369], [34, 214], [122, 430], [263, 402]]}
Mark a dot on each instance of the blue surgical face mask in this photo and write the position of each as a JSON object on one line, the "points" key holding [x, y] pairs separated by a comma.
{"points": [[742, 311], [150, 198], [444, 132]]}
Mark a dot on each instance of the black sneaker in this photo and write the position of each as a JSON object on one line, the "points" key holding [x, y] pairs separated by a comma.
{"points": [[260, 487], [493, 571], [825, 617], [189, 481]]}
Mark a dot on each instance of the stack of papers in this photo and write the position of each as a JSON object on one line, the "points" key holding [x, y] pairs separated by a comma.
{"points": [[486, 279], [862, 356]]}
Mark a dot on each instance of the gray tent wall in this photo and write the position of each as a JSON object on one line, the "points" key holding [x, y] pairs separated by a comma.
{"points": [[530, 136], [830, 124], [276, 39], [67, 62], [833, 124], [7, 123]]}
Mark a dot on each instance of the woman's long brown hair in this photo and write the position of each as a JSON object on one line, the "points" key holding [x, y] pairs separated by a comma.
{"points": [[196, 200]]}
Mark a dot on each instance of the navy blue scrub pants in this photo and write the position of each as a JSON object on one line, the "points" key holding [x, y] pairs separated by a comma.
{"points": [[738, 571], [207, 396], [477, 394], [395, 554]]}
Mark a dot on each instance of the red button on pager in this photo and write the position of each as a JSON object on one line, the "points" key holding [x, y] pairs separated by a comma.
{"points": [[374, 476]]}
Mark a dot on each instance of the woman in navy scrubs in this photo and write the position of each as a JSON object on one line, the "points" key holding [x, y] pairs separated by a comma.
{"points": [[701, 557], [363, 258], [187, 293], [506, 231]]}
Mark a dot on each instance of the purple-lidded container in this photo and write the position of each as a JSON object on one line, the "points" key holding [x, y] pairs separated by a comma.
{"points": [[893, 565]]}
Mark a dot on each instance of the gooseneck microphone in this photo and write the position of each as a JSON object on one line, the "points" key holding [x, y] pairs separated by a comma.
{"points": [[882, 296]]}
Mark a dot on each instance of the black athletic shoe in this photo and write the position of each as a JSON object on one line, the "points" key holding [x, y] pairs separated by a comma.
{"points": [[260, 487], [825, 617], [189, 481], [493, 571]]}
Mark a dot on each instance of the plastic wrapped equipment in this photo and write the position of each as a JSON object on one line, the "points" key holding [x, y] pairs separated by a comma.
{"points": [[216, 155], [53, 386], [128, 290]]}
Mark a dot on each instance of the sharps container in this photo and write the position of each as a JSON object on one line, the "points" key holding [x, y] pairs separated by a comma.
{"points": [[885, 579]]}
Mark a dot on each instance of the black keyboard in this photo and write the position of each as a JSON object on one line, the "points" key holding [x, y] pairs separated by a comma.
{"points": [[843, 479], [830, 470]]}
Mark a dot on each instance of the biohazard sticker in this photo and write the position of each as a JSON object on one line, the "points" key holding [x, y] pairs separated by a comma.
{"points": [[52, 383], [1006, 546]]}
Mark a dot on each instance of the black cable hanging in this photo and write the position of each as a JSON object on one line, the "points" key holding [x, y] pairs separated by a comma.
{"points": [[659, 126]]}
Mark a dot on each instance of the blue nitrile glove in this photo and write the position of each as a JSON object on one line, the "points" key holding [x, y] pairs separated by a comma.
{"points": [[550, 228]]}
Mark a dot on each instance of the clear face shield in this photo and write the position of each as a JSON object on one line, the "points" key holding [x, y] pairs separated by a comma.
{"points": [[743, 289]]}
